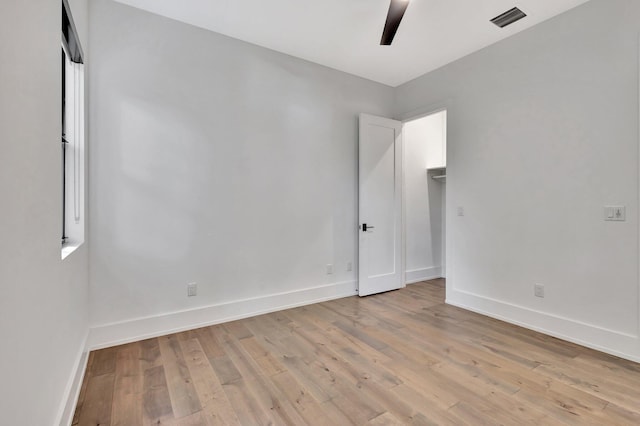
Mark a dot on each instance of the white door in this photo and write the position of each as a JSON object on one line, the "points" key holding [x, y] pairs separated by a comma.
{"points": [[380, 205]]}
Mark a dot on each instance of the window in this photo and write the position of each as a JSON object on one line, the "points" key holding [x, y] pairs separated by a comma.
{"points": [[72, 149]]}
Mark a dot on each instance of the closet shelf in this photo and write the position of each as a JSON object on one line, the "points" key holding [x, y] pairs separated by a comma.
{"points": [[439, 174]]}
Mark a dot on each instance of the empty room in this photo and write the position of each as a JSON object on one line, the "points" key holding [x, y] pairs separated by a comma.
{"points": [[337, 212]]}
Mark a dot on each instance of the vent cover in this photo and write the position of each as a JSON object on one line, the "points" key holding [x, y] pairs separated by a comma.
{"points": [[509, 17]]}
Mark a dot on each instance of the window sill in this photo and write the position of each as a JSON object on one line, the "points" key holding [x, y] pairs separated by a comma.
{"points": [[68, 248]]}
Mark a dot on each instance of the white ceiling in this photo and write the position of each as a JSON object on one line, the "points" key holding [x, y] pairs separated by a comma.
{"points": [[345, 34]]}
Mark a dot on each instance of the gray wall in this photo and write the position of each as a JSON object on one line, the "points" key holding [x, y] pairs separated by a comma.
{"points": [[543, 132], [218, 162], [43, 307]]}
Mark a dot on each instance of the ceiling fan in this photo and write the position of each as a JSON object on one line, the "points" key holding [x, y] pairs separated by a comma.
{"points": [[394, 17]]}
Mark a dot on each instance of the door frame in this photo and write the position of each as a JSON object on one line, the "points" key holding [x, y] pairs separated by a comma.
{"points": [[430, 109], [416, 114]]}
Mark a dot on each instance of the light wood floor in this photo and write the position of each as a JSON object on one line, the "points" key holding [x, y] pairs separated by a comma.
{"points": [[402, 357]]}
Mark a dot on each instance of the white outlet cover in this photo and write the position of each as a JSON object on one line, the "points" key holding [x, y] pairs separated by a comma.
{"points": [[615, 213], [192, 289]]}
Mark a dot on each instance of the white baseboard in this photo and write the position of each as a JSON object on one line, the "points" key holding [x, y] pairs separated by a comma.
{"points": [[417, 275], [74, 384], [613, 342], [160, 325]]}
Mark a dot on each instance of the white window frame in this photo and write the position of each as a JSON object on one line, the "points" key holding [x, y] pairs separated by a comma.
{"points": [[73, 154]]}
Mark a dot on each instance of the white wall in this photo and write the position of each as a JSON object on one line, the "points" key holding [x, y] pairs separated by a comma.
{"points": [[423, 198], [43, 307], [543, 132], [218, 162]]}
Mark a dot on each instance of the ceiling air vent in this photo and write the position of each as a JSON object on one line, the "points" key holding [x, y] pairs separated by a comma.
{"points": [[509, 17]]}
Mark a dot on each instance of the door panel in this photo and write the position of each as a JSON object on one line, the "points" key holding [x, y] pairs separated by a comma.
{"points": [[380, 253]]}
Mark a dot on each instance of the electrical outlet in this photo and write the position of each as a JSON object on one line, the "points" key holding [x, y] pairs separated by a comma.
{"points": [[329, 269], [349, 266], [460, 211], [538, 290], [615, 213], [192, 289]]}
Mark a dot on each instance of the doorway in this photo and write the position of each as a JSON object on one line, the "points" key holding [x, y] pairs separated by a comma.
{"points": [[402, 198], [425, 171]]}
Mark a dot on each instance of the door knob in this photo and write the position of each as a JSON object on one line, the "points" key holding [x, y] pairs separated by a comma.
{"points": [[366, 227]]}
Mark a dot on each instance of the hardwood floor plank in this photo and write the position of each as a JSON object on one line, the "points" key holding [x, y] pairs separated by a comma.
{"points": [[619, 370], [237, 387], [433, 414], [156, 405], [361, 335], [225, 370], [368, 366], [149, 354], [386, 419], [402, 357], [624, 416], [491, 395], [266, 360], [237, 329], [245, 404], [339, 379], [184, 399], [268, 395], [364, 375], [216, 408], [128, 387], [334, 387], [617, 392], [209, 344], [96, 409], [303, 401], [323, 320], [294, 365], [195, 419], [104, 362]]}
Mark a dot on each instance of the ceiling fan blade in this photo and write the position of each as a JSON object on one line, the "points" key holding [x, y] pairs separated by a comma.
{"points": [[394, 17]]}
